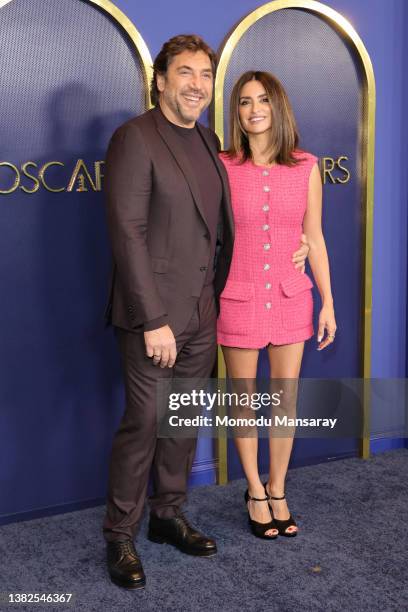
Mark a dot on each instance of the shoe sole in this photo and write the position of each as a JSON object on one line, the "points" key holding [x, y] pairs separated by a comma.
{"points": [[132, 586], [199, 553], [265, 537]]}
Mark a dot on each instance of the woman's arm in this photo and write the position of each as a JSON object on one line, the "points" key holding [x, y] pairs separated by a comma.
{"points": [[318, 259]]}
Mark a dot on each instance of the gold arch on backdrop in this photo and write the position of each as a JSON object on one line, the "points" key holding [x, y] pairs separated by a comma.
{"points": [[367, 175], [134, 35]]}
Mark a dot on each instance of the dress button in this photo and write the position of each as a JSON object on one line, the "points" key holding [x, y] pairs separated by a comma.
{"points": [[268, 305], [265, 173], [266, 188], [266, 267], [268, 286], [265, 207], [265, 227], [267, 247]]}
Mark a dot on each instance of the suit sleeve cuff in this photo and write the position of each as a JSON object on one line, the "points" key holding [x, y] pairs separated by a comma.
{"points": [[155, 323]]}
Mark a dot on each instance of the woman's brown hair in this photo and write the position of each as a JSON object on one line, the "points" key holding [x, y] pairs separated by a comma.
{"points": [[284, 133]]}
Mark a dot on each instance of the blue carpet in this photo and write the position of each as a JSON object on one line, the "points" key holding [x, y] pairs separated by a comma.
{"points": [[350, 555]]}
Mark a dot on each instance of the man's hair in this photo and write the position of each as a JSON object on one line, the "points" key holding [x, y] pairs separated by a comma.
{"points": [[173, 47]]}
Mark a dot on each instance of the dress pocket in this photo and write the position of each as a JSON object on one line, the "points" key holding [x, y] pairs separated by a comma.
{"points": [[237, 308], [296, 301]]}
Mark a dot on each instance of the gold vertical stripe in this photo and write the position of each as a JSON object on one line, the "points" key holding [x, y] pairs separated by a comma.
{"points": [[222, 440]]}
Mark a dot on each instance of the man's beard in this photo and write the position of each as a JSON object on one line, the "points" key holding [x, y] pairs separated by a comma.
{"points": [[186, 115]]}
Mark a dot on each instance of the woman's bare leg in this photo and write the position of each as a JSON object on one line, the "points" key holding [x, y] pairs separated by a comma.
{"points": [[285, 362], [242, 365]]}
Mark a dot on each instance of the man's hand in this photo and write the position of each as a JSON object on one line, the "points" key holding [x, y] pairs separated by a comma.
{"points": [[161, 345], [299, 257]]}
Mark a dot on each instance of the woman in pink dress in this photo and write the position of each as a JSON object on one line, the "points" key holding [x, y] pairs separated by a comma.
{"points": [[276, 195]]}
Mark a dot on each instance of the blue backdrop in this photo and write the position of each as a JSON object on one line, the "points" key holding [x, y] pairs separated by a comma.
{"points": [[60, 401]]}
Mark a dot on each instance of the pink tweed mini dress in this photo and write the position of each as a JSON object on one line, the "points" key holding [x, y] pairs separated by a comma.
{"points": [[266, 300]]}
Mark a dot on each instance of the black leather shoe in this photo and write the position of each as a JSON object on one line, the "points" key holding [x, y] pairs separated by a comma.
{"points": [[125, 568], [179, 533]]}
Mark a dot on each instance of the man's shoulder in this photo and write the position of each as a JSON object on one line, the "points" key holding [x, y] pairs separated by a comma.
{"points": [[137, 123]]}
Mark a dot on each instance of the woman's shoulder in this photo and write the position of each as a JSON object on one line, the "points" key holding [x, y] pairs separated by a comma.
{"points": [[236, 168], [305, 157], [227, 159]]}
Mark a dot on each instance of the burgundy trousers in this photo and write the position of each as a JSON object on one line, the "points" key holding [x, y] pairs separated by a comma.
{"points": [[136, 448]]}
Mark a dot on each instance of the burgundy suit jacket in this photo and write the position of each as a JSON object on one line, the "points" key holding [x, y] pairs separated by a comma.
{"points": [[159, 236]]}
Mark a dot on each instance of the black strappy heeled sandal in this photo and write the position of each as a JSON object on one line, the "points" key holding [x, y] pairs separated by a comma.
{"points": [[282, 525], [259, 529]]}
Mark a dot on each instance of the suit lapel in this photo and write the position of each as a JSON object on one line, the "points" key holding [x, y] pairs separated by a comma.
{"points": [[170, 138], [218, 164], [224, 178]]}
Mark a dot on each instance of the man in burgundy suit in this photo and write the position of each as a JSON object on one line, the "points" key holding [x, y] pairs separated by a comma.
{"points": [[171, 229], [169, 212]]}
